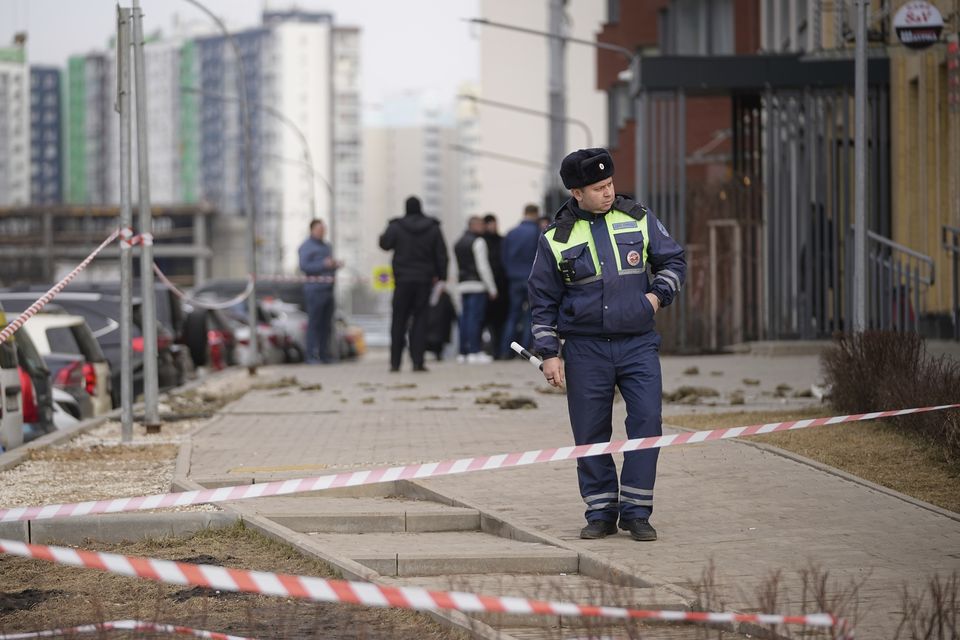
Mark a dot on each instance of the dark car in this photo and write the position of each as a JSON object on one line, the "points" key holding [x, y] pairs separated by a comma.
{"points": [[102, 313], [170, 320], [209, 335]]}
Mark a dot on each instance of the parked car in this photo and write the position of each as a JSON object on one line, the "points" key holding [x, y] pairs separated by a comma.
{"points": [[55, 334], [102, 313], [170, 322], [36, 389], [293, 322], [11, 403], [271, 340], [208, 334]]}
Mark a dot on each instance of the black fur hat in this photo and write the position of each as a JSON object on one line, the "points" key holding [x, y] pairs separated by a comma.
{"points": [[586, 166]]}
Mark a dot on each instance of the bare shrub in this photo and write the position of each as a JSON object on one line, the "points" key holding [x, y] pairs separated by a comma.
{"points": [[879, 370]]}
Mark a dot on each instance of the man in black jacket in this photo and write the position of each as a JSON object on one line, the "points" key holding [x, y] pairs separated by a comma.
{"points": [[419, 261]]}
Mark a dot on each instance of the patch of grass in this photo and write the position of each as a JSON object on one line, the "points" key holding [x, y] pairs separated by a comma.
{"points": [[876, 451], [81, 596]]}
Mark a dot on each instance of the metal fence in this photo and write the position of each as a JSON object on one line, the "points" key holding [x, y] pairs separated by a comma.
{"points": [[897, 282], [951, 244]]}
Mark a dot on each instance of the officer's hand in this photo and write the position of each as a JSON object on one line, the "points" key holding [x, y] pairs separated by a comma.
{"points": [[654, 301], [553, 372]]}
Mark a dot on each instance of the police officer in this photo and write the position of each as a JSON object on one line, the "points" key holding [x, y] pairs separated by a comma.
{"points": [[589, 286]]}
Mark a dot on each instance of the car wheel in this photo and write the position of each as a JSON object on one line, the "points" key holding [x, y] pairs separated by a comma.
{"points": [[195, 337]]}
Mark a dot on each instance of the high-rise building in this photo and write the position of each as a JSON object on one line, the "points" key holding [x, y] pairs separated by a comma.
{"points": [[46, 162], [513, 146], [14, 124], [300, 74], [349, 237], [411, 150], [90, 128], [301, 78]]}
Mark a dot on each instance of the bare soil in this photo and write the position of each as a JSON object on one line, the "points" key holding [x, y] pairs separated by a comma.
{"points": [[874, 451], [38, 595]]}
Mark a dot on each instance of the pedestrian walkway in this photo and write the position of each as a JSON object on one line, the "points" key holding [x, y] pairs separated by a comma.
{"points": [[749, 511]]}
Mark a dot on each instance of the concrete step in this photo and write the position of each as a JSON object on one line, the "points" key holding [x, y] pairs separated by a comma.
{"points": [[366, 515], [445, 553], [564, 587]]}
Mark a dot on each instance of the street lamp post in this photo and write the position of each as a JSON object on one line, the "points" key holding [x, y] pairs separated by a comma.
{"points": [[633, 65], [248, 188], [588, 134], [279, 115]]}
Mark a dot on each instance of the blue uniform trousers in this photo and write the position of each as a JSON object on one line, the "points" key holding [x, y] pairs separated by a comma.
{"points": [[594, 366]]}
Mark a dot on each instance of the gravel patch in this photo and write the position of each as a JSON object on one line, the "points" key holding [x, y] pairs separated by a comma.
{"points": [[96, 465]]}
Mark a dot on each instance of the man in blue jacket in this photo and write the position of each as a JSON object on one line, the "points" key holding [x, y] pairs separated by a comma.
{"points": [[316, 259], [519, 250], [589, 286]]}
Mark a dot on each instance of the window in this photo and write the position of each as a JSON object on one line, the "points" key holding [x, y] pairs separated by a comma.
{"points": [[62, 340], [613, 11], [697, 27]]}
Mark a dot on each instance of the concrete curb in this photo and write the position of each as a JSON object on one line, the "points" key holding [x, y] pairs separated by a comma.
{"points": [[347, 567], [819, 466], [115, 527]]}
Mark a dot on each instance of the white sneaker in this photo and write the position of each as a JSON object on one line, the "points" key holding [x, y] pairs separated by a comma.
{"points": [[479, 358], [461, 359]]}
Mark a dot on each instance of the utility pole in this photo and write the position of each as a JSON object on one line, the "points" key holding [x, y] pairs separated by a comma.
{"points": [[860, 160], [557, 100], [151, 389], [126, 221]]}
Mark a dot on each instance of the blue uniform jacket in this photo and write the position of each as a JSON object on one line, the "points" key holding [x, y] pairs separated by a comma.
{"points": [[610, 303], [519, 249], [313, 254]]}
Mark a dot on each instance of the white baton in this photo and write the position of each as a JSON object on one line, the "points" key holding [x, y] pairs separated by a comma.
{"points": [[534, 360]]}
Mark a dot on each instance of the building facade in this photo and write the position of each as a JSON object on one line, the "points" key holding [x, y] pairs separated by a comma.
{"points": [[511, 155], [14, 124], [46, 143]]}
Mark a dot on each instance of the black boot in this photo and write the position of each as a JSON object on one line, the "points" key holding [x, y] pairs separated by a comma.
{"points": [[598, 529], [639, 529]]}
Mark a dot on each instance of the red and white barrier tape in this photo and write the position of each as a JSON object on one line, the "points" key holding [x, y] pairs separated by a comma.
{"points": [[121, 625], [427, 470], [374, 595], [202, 304], [129, 240], [282, 278], [35, 308]]}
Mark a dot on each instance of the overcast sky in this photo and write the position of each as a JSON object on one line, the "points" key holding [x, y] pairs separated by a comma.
{"points": [[408, 45]]}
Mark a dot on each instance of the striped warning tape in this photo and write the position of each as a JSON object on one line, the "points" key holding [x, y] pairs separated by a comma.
{"points": [[205, 304], [374, 595], [284, 278], [35, 308], [428, 470], [121, 625]]}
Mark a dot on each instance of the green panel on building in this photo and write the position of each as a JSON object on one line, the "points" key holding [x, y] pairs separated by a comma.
{"points": [[75, 137], [189, 125]]}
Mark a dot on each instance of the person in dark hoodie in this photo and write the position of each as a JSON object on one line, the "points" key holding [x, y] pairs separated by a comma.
{"points": [[419, 261]]}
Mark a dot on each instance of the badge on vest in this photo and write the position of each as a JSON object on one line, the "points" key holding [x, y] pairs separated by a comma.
{"points": [[633, 258]]}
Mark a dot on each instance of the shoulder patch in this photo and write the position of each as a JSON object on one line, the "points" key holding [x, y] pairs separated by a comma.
{"points": [[662, 228]]}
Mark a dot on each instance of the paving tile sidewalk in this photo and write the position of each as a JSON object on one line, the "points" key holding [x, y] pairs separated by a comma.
{"points": [[748, 511]]}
